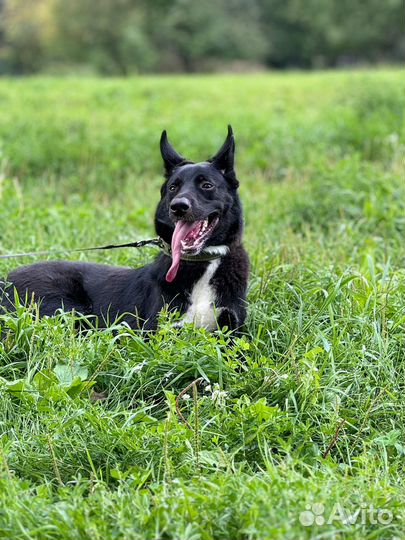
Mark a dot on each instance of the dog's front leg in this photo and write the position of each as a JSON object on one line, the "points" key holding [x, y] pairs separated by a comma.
{"points": [[231, 316], [228, 317]]}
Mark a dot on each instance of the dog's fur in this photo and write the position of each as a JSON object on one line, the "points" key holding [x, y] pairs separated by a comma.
{"points": [[210, 293]]}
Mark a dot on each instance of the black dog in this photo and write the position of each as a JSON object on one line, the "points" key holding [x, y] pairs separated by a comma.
{"points": [[202, 272]]}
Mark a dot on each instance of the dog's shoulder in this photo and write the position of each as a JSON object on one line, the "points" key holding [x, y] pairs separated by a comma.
{"points": [[233, 272]]}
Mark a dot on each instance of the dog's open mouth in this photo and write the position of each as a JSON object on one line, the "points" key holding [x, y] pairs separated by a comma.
{"points": [[189, 237]]}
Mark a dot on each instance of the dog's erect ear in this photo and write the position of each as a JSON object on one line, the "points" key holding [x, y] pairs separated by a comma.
{"points": [[170, 157], [225, 157]]}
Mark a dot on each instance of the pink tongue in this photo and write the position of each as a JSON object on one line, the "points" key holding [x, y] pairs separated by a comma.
{"points": [[180, 232]]}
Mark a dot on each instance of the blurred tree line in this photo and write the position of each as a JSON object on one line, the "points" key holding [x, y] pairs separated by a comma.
{"points": [[126, 36]]}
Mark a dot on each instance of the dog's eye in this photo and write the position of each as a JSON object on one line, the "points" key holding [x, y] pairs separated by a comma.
{"points": [[207, 185], [173, 187]]}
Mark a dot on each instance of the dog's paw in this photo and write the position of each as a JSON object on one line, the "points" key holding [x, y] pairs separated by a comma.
{"points": [[228, 317]]}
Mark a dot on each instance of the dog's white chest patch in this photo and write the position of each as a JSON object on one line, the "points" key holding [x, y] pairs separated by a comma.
{"points": [[201, 311]]}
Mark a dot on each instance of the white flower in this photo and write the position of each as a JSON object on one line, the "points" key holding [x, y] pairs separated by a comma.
{"points": [[186, 396], [218, 396]]}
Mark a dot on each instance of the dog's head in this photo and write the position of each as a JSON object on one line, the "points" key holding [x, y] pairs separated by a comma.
{"points": [[199, 205]]}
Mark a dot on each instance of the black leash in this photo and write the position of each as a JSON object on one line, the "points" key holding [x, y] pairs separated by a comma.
{"points": [[151, 242]]}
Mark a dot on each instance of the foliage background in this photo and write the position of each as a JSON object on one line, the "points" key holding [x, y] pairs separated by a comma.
{"points": [[119, 37]]}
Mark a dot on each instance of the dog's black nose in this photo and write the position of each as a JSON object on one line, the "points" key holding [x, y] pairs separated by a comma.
{"points": [[180, 206]]}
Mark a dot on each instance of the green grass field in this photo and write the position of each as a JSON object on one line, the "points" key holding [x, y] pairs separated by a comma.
{"points": [[319, 158]]}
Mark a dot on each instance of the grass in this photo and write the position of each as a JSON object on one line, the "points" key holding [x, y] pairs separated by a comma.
{"points": [[320, 164]]}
